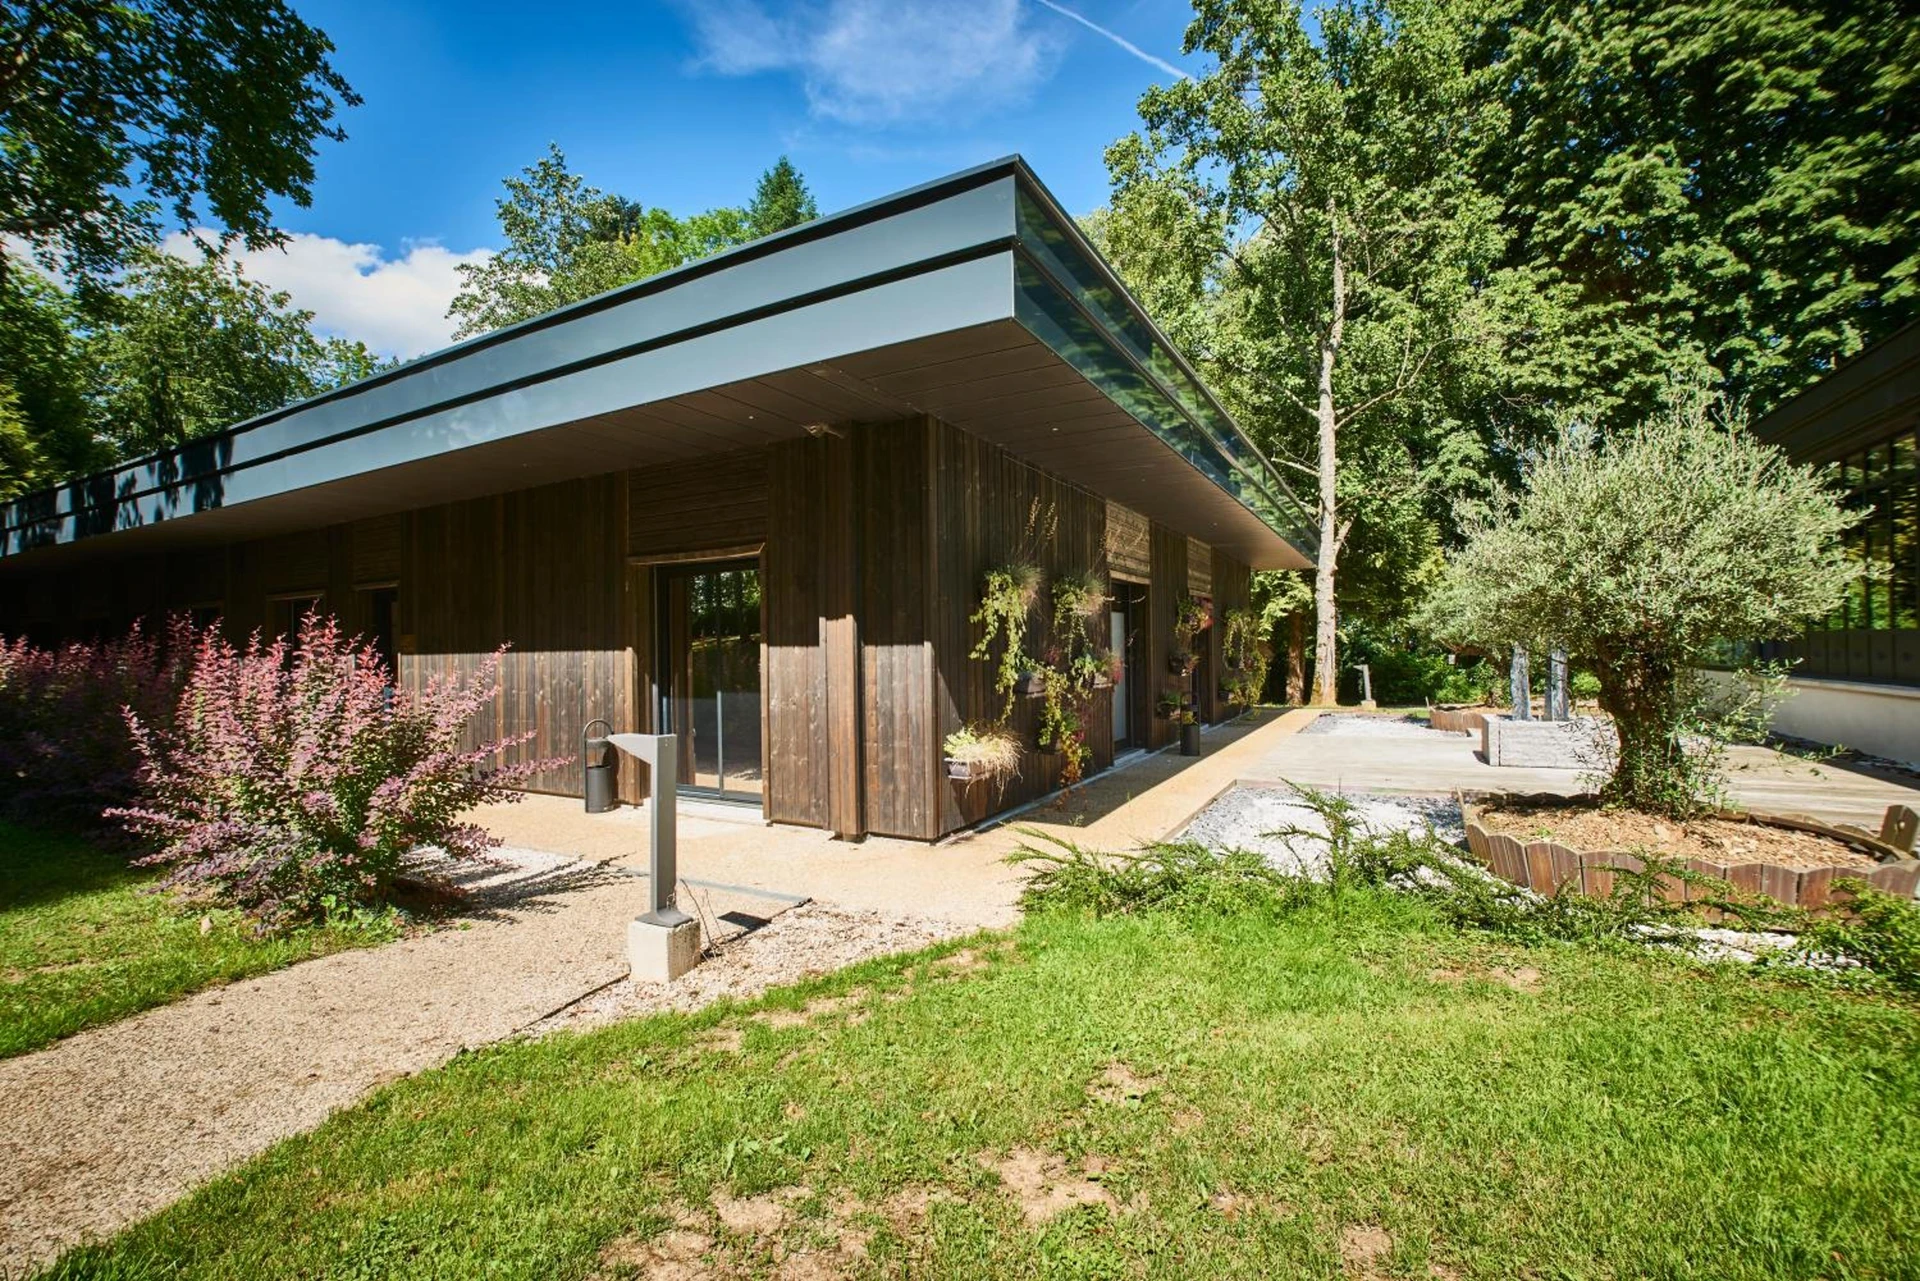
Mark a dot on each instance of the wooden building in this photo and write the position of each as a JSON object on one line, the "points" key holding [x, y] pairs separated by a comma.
{"points": [[750, 501]]}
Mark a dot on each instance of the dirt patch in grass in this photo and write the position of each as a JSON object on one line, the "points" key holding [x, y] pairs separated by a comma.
{"points": [[1119, 1085], [758, 1216], [1522, 978], [1043, 1185], [722, 1040], [819, 1007], [1716, 840], [1364, 1248]]}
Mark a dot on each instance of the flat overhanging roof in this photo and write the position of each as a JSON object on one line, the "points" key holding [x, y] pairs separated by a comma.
{"points": [[974, 299]]}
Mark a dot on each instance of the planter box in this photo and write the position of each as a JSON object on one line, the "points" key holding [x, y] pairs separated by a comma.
{"points": [[1548, 867], [965, 771], [1030, 685], [1181, 664], [1586, 742], [1189, 740]]}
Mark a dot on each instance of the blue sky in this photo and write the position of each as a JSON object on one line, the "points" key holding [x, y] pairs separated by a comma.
{"points": [[683, 105]]}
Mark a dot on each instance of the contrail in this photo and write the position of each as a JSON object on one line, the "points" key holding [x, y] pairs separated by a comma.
{"points": [[1118, 39]]}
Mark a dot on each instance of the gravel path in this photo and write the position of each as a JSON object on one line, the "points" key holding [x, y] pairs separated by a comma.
{"points": [[111, 1125], [809, 940], [1361, 725], [1244, 817]]}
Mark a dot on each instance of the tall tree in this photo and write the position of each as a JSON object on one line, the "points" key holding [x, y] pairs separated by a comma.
{"points": [[781, 200], [567, 240], [1306, 223], [115, 112], [1731, 183], [192, 346], [46, 371]]}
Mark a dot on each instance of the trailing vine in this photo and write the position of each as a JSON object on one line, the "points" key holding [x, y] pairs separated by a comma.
{"points": [[1073, 671], [1006, 606], [1246, 655], [1190, 618]]}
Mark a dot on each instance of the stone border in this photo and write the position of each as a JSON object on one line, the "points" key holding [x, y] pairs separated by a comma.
{"points": [[1546, 867]]}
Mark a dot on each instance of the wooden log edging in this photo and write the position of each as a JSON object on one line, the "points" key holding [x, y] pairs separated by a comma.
{"points": [[1548, 867]]}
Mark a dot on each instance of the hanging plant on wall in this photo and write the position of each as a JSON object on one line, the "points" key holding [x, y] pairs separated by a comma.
{"points": [[1190, 618], [977, 752], [1075, 669], [1245, 654], [1084, 596], [1007, 598]]}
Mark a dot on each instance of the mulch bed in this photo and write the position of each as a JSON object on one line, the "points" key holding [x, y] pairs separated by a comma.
{"points": [[1716, 840]]}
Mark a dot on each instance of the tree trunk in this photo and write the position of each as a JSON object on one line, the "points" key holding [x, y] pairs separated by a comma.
{"points": [[1653, 771], [1297, 657], [1326, 665]]}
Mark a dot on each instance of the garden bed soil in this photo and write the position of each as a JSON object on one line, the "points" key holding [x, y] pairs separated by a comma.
{"points": [[1714, 840]]}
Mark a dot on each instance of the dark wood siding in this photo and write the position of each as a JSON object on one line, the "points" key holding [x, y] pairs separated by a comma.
{"points": [[701, 505], [1168, 557], [539, 569], [990, 509], [794, 571]]}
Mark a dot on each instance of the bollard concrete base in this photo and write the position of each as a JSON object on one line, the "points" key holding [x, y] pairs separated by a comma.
{"points": [[660, 952]]}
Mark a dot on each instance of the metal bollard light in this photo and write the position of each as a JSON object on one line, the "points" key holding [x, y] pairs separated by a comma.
{"points": [[598, 770]]}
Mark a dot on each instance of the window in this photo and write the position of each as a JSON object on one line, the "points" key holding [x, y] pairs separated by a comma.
{"points": [[1874, 634], [285, 612], [380, 612]]}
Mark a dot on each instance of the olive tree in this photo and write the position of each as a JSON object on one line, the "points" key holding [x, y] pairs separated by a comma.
{"points": [[1640, 556]]}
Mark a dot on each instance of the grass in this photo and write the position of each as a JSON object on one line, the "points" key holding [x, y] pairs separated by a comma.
{"points": [[1348, 1090], [82, 944]]}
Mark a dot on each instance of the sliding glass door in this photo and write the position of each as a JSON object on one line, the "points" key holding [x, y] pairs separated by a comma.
{"points": [[708, 644]]}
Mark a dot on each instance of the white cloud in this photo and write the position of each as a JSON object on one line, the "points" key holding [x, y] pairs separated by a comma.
{"points": [[884, 62], [397, 306]]}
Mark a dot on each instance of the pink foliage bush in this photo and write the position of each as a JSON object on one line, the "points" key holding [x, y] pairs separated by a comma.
{"points": [[294, 780], [65, 755]]}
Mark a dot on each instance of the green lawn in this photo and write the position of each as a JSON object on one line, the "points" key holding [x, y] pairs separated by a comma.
{"points": [[1349, 1091], [81, 944]]}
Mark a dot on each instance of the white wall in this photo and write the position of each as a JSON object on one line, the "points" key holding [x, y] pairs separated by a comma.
{"points": [[1881, 720]]}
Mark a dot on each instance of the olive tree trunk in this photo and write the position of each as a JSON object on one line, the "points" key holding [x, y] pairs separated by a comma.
{"points": [[1652, 772]]}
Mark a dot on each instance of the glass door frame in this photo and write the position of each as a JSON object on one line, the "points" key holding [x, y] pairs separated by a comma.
{"points": [[669, 656]]}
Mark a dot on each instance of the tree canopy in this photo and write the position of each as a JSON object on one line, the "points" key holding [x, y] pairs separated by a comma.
{"points": [[183, 347], [1303, 218], [567, 240], [1733, 185], [118, 114]]}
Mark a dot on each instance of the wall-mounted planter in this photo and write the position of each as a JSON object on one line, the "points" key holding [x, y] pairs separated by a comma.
{"points": [[1181, 663], [1030, 685], [965, 771], [1103, 682], [1548, 867]]}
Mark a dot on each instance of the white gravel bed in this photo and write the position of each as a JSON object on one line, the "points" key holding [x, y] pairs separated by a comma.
{"points": [[804, 942], [1245, 817], [1358, 725]]}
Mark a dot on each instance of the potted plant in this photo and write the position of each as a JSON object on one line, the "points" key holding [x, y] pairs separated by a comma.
{"points": [[976, 752], [1189, 732], [1080, 596], [1169, 704], [1181, 662]]}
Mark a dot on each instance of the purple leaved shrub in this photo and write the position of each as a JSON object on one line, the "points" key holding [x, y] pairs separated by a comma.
{"points": [[293, 780], [65, 754]]}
